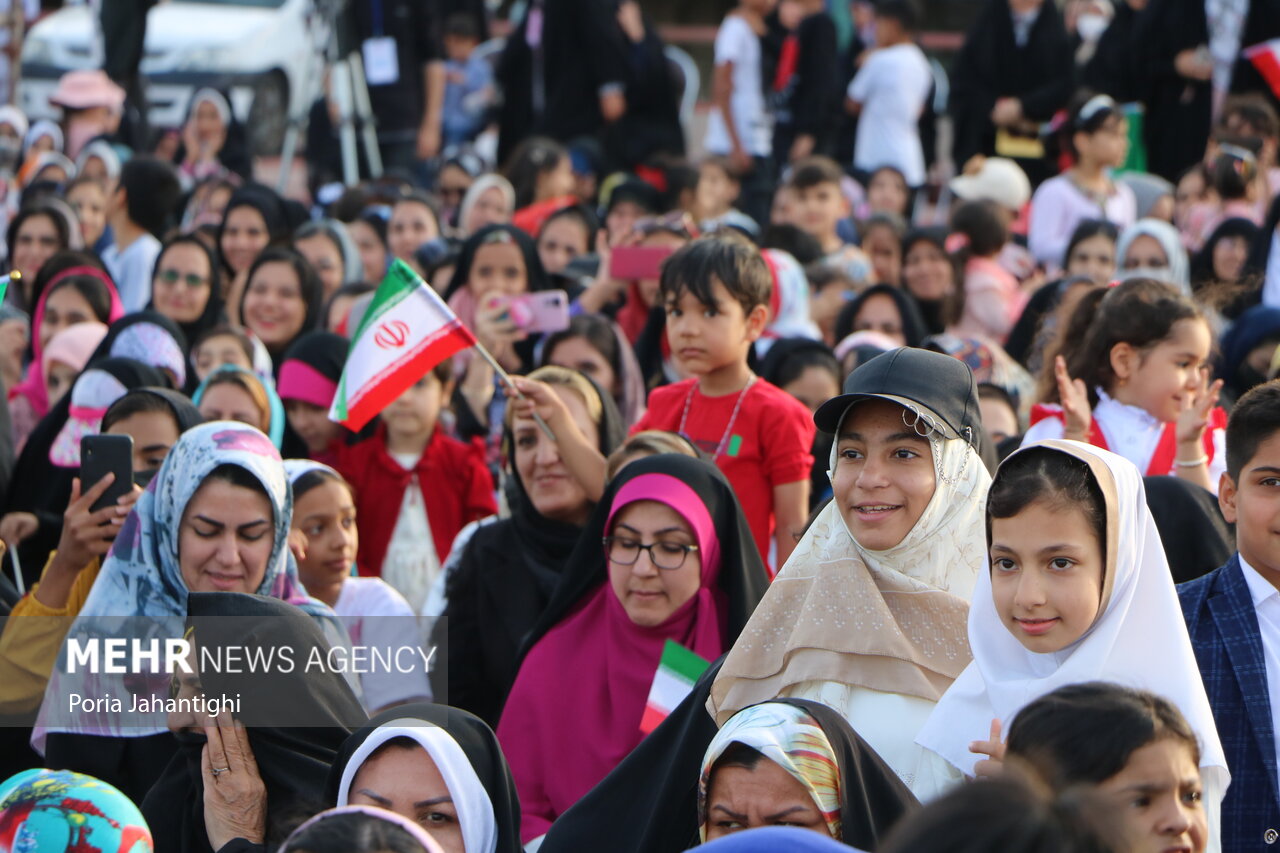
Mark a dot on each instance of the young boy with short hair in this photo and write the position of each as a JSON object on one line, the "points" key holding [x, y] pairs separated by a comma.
{"points": [[820, 206], [739, 125], [415, 488], [1233, 617], [468, 86], [715, 193], [716, 292], [138, 214]]}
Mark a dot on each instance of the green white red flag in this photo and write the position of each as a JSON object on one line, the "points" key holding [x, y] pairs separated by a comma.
{"points": [[407, 331], [677, 671]]}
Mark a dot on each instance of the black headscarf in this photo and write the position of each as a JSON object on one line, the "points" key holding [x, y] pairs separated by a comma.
{"points": [[1197, 539], [46, 488], [771, 370], [184, 411], [534, 272], [212, 315], [477, 742], [292, 760], [1246, 289], [872, 797], [1202, 261], [1255, 326], [324, 352], [933, 311], [275, 213], [658, 777], [505, 576], [743, 577], [913, 325]]}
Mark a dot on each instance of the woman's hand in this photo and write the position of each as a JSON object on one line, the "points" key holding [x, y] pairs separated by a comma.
{"points": [[1194, 64], [1007, 112], [531, 396], [1074, 396], [994, 749], [298, 543], [1195, 417], [496, 330], [87, 534], [235, 798], [16, 526]]}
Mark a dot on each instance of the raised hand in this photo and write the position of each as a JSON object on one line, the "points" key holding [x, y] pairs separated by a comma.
{"points": [[1073, 394], [994, 749], [1196, 409]]}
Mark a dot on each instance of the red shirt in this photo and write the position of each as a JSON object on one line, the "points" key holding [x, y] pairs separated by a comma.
{"points": [[768, 445], [456, 489]]}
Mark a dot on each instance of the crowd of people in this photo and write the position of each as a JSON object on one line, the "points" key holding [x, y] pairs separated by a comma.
{"points": [[792, 497]]}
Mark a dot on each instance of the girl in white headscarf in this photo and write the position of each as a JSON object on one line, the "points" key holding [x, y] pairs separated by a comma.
{"points": [[1152, 248], [869, 614], [1078, 590]]}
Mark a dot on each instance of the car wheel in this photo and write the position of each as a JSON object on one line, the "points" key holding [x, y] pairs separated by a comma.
{"points": [[269, 114]]}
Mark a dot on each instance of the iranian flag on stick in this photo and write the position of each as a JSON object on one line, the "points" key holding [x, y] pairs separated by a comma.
{"points": [[1266, 58], [407, 330], [677, 671]]}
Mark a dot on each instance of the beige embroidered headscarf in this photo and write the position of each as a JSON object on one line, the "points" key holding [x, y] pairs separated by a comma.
{"points": [[893, 620]]}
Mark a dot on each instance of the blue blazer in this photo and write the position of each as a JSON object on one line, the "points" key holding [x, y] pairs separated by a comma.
{"points": [[1228, 646]]}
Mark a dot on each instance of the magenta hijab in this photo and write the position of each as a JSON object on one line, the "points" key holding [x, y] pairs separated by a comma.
{"points": [[575, 709], [33, 387]]}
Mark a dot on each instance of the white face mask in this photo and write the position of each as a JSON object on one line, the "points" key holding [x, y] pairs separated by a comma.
{"points": [[1091, 26]]}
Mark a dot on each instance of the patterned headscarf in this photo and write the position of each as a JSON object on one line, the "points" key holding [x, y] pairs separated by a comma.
{"points": [[140, 594], [57, 811], [151, 344], [789, 737]]}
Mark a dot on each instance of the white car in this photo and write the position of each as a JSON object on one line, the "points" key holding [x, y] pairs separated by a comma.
{"points": [[267, 55]]}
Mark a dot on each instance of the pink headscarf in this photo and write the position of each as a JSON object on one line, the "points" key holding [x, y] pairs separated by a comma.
{"points": [[33, 387], [578, 700], [73, 347]]}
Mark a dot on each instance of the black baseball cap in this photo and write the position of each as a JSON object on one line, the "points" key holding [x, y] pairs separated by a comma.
{"points": [[914, 378]]}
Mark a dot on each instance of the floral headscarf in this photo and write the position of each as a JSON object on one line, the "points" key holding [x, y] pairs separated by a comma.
{"points": [[140, 594], [789, 737]]}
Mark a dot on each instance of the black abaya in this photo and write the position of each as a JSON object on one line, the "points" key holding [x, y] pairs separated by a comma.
{"points": [[293, 760]]}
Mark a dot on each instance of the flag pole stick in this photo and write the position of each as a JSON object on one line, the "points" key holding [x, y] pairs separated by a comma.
{"points": [[510, 383]]}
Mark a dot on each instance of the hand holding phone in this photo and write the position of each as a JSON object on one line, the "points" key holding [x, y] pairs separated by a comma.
{"points": [[106, 454], [544, 312]]}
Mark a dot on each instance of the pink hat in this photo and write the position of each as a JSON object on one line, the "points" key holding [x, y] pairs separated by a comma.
{"points": [[82, 90]]}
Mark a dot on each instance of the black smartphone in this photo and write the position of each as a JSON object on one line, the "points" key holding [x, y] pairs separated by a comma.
{"points": [[106, 454]]}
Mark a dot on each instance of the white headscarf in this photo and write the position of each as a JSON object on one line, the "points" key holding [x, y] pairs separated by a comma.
{"points": [[475, 809], [1137, 640], [790, 305], [483, 184], [43, 127], [1177, 273], [211, 96], [15, 118], [889, 620]]}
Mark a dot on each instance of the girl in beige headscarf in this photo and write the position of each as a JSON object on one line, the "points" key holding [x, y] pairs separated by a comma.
{"points": [[869, 615]]}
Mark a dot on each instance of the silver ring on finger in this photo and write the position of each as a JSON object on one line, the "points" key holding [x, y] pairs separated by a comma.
{"points": [[218, 770]]}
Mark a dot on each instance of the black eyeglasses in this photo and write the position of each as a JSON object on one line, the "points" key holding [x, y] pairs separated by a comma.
{"points": [[665, 555], [192, 280]]}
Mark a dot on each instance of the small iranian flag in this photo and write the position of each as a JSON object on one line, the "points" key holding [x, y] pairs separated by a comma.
{"points": [[677, 671], [407, 330], [1266, 58]]}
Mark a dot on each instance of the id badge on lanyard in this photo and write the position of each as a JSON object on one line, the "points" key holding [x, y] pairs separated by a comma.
{"points": [[381, 60]]}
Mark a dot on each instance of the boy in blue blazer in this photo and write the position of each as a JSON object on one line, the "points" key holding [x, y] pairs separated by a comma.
{"points": [[1233, 616]]}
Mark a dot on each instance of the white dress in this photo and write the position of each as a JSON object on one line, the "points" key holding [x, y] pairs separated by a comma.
{"points": [[888, 722]]}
